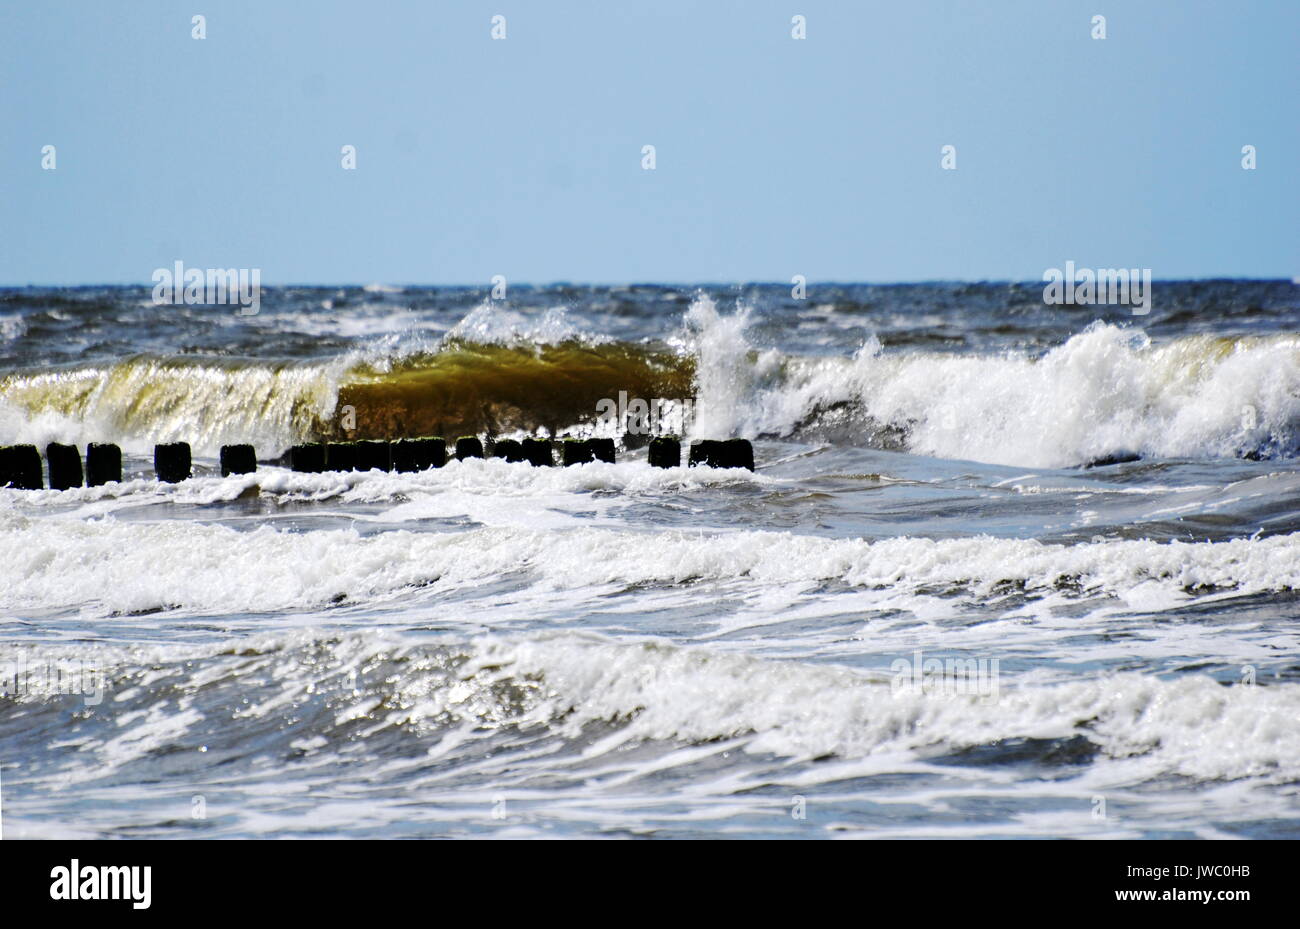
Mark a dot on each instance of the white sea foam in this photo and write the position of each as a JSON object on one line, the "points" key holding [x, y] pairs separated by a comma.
{"points": [[12, 326], [130, 566], [1191, 726], [1105, 391], [474, 478], [490, 323], [1147, 726]]}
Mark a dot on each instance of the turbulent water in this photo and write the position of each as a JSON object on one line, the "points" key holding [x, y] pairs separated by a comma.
{"points": [[1003, 570]]}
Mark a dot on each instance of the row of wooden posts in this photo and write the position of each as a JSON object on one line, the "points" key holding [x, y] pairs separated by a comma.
{"points": [[20, 465]]}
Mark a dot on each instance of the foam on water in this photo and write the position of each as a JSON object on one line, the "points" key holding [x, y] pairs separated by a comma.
{"points": [[489, 323], [1192, 727], [108, 565], [475, 476], [1106, 391], [566, 685]]}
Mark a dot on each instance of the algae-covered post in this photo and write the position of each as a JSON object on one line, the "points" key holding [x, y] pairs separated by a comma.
{"points": [[468, 446]]}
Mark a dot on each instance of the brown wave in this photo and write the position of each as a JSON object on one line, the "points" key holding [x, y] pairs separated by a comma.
{"points": [[470, 388], [461, 389]]}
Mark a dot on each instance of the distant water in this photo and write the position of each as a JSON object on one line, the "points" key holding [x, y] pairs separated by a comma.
{"points": [[921, 616]]}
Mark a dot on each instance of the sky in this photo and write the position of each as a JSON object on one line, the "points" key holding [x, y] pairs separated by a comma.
{"points": [[522, 156]]}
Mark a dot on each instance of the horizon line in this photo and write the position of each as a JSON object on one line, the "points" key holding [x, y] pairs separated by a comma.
{"points": [[648, 283]]}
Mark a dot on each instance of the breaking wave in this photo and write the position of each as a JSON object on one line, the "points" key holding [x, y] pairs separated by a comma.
{"points": [[1106, 392], [129, 567], [354, 693]]}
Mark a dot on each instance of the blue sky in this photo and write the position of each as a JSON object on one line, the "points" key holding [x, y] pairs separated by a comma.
{"points": [[522, 157]]}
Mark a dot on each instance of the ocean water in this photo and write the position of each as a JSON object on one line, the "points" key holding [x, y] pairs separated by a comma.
{"points": [[1003, 569]]}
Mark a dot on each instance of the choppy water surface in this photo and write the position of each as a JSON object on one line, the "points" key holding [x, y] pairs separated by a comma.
{"points": [[618, 650]]}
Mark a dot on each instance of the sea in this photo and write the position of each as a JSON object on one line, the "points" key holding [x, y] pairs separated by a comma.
{"points": [[1004, 569]]}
